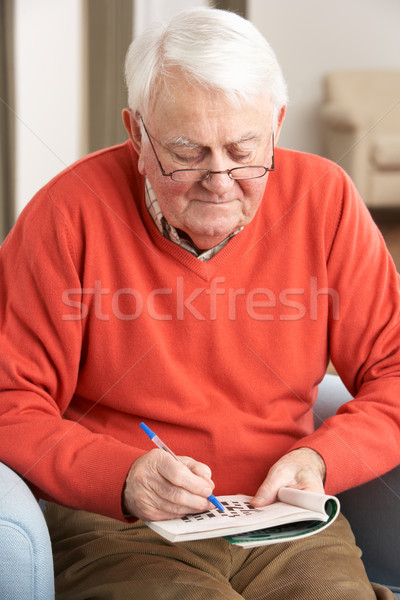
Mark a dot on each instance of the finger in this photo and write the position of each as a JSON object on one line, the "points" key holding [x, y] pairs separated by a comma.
{"points": [[181, 476], [179, 497], [154, 508], [300, 470], [172, 481], [267, 493], [284, 473], [148, 495], [198, 468], [151, 506]]}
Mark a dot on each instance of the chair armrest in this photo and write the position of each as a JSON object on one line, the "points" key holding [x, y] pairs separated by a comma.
{"points": [[26, 562], [331, 394], [373, 509], [340, 117]]}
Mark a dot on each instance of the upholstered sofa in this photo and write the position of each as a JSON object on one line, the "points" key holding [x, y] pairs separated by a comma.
{"points": [[26, 567], [361, 131]]}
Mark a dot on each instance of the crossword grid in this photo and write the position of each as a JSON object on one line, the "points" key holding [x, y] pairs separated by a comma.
{"points": [[232, 509]]}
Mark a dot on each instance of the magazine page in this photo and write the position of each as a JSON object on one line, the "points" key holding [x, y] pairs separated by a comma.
{"points": [[309, 500], [239, 516]]}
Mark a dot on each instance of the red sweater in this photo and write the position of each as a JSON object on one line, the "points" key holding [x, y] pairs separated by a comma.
{"points": [[105, 323]]}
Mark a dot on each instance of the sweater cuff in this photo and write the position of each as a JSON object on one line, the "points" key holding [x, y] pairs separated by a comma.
{"points": [[108, 481]]}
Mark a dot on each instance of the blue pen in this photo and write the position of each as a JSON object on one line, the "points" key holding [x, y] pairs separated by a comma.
{"points": [[160, 444]]}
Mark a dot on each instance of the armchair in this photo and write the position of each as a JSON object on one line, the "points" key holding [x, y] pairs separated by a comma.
{"points": [[361, 131], [373, 509], [26, 564]]}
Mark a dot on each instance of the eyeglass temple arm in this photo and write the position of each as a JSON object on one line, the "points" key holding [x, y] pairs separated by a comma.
{"points": [[272, 167], [154, 150]]}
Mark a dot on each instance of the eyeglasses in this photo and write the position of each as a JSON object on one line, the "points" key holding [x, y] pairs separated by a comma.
{"points": [[250, 172]]}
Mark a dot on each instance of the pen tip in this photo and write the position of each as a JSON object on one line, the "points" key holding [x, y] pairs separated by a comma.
{"points": [[216, 503]]}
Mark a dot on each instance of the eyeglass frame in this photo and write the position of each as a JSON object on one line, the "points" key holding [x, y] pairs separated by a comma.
{"points": [[207, 171]]}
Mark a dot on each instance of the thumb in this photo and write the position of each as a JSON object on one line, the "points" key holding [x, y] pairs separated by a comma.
{"points": [[279, 475], [266, 494]]}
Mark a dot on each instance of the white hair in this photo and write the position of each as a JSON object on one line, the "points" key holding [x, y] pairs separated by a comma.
{"points": [[214, 49]]}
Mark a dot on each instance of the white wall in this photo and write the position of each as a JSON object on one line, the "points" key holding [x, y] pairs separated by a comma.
{"points": [[148, 11], [49, 71], [311, 37], [48, 87]]}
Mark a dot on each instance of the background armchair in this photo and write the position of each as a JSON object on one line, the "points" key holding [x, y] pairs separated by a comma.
{"points": [[26, 565], [361, 131]]}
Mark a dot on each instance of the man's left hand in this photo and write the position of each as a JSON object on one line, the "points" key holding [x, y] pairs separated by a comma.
{"points": [[303, 469]]}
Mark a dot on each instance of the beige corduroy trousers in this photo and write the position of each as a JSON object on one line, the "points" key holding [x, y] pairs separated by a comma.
{"points": [[100, 558]]}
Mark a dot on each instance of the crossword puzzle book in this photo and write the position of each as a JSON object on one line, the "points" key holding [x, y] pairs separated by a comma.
{"points": [[296, 514]]}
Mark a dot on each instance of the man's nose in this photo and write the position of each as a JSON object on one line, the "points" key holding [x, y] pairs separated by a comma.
{"points": [[218, 182]]}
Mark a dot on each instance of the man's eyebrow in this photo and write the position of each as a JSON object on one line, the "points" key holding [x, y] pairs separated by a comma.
{"points": [[182, 142], [249, 137]]}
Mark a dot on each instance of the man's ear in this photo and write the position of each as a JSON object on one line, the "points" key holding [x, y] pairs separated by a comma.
{"points": [[281, 118], [133, 128]]}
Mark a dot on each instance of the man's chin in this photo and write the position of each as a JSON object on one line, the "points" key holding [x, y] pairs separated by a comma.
{"points": [[208, 239]]}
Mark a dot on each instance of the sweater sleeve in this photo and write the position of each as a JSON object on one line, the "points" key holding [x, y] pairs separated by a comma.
{"points": [[362, 441], [39, 364]]}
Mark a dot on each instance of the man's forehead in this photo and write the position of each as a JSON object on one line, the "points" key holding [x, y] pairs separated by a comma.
{"points": [[189, 115]]}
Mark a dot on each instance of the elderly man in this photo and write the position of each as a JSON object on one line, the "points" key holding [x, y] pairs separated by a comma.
{"points": [[198, 279]]}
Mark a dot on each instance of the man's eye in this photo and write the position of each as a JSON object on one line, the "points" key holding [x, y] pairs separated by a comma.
{"points": [[243, 157], [187, 158]]}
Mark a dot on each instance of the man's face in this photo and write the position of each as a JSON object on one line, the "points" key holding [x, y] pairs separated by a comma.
{"points": [[192, 129]]}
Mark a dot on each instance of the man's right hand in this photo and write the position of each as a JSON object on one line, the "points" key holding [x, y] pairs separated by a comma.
{"points": [[159, 487]]}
